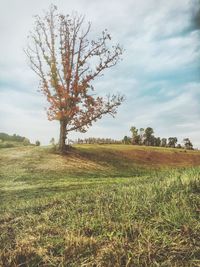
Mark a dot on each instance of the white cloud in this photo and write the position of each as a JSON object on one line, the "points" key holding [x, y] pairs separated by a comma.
{"points": [[157, 40]]}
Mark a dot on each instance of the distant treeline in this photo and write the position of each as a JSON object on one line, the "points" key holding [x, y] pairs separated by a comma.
{"points": [[146, 137], [15, 138], [94, 140]]}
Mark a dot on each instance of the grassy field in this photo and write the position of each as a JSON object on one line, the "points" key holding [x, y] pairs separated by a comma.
{"points": [[102, 205]]}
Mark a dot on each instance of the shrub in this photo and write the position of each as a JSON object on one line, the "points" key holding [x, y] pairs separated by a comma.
{"points": [[37, 143], [26, 142], [6, 145]]}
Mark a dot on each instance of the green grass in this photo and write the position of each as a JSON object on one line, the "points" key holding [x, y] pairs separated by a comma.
{"points": [[99, 206], [9, 144]]}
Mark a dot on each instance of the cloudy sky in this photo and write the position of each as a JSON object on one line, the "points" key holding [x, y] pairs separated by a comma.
{"points": [[159, 74]]}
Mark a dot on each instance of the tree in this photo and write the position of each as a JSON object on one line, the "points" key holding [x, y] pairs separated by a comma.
{"points": [[126, 140], [67, 63], [148, 133], [37, 143], [142, 137], [135, 136], [157, 141], [187, 143], [172, 141], [14, 137], [179, 146], [164, 142]]}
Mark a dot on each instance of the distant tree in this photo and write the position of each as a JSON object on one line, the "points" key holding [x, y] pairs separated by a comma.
{"points": [[126, 140], [172, 141], [146, 137], [148, 134], [137, 140], [80, 141], [163, 142], [37, 143], [135, 136], [157, 141], [134, 132], [67, 64], [14, 137], [94, 140], [187, 143], [151, 141], [142, 137]]}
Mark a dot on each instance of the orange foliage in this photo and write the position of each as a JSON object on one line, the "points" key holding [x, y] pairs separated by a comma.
{"points": [[61, 55]]}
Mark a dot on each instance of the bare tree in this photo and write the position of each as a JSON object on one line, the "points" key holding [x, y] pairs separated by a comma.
{"points": [[67, 63]]}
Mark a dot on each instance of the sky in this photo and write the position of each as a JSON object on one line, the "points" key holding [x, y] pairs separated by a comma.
{"points": [[159, 74]]}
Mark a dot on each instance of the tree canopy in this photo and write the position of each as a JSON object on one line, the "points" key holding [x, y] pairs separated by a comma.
{"points": [[67, 62]]}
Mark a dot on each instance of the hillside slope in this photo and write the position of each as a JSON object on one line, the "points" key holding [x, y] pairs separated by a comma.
{"points": [[153, 156], [101, 205]]}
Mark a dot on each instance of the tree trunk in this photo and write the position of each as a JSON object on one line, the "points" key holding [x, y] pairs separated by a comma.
{"points": [[62, 145]]}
